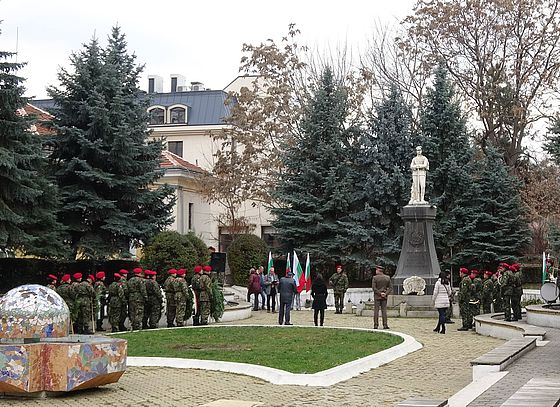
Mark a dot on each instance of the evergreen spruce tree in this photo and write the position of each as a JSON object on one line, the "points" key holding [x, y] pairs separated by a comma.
{"points": [[445, 142], [552, 143], [381, 183], [27, 199], [491, 221], [104, 164], [314, 190]]}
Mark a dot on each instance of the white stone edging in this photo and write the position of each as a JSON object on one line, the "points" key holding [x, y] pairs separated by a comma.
{"points": [[324, 378]]}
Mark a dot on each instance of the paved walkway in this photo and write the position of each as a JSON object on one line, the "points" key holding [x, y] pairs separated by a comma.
{"points": [[544, 361], [440, 369]]}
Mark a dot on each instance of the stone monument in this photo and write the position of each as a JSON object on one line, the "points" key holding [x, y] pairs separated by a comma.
{"points": [[418, 256]]}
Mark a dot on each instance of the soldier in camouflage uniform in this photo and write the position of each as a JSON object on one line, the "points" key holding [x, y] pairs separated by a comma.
{"points": [[85, 297], [66, 291], [487, 292], [100, 298], [189, 305], [155, 299], [476, 301], [181, 293], [339, 283], [170, 305], [116, 299], [196, 286], [465, 290], [52, 282], [124, 305], [205, 295], [137, 297], [507, 292], [517, 292], [497, 293]]}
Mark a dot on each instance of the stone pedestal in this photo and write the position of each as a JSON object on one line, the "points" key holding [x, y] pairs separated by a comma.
{"points": [[418, 254]]}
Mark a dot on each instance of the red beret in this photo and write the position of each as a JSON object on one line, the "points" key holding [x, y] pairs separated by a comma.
{"points": [[100, 275], [464, 270], [207, 268], [487, 272], [137, 270], [474, 271], [171, 271], [515, 266], [181, 272], [197, 269], [149, 273], [52, 277], [77, 276], [504, 265], [117, 275], [339, 266], [66, 277], [91, 277], [123, 271]]}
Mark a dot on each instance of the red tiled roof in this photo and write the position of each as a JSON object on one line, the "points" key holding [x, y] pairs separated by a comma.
{"points": [[41, 116], [170, 160]]}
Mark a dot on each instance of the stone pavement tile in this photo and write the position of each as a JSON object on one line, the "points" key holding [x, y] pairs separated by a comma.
{"points": [[438, 370], [232, 403]]}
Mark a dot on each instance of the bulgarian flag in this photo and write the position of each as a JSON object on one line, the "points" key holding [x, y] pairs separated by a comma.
{"points": [[544, 274], [288, 268], [270, 263], [307, 274], [299, 275]]}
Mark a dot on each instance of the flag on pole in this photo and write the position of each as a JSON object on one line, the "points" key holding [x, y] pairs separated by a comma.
{"points": [[270, 263], [299, 276], [307, 274], [543, 267], [288, 267]]}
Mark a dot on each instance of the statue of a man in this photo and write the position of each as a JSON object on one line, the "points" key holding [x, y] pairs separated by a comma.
{"points": [[419, 166]]}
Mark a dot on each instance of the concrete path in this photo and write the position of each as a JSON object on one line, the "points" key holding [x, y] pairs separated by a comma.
{"points": [[439, 370], [542, 362]]}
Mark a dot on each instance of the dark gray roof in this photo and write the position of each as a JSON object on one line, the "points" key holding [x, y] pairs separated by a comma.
{"points": [[206, 107]]}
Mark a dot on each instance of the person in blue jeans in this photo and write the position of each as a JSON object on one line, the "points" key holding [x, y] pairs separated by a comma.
{"points": [[287, 289]]}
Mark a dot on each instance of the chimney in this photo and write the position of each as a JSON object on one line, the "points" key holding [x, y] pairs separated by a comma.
{"points": [[155, 84], [177, 82], [197, 86]]}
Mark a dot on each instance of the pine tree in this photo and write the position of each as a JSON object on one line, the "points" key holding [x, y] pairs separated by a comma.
{"points": [[104, 163], [313, 191], [446, 144], [27, 199], [492, 226], [552, 143]]}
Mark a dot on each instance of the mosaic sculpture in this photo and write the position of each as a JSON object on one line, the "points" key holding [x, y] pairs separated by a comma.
{"points": [[39, 357]]}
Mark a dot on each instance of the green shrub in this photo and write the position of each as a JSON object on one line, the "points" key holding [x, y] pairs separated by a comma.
{"points": [[202, 254], [246, 251], [169, 250]]}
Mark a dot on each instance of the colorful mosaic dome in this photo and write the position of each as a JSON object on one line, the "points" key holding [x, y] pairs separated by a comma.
{"points": [[32, 312]]}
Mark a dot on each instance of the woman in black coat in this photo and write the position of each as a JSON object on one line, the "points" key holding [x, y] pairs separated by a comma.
{"points": [[319, 295]]}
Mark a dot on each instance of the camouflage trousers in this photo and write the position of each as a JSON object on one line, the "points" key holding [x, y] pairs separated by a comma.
{"points": [[170, 310], [123, 316], [516, 306], [180, 310], [466, 314], [84, 320], [204, 312], [136, 313], [114, 315], [507, 306], [498, 305], [486, 306], [152, 315], [449, 312]]}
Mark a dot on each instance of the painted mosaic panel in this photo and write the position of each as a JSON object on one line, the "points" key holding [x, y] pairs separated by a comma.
{"points": [[14, 366]]}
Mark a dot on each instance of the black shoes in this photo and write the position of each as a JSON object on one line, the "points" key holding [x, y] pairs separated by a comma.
{"points": [[463, 329], [386, 327]]}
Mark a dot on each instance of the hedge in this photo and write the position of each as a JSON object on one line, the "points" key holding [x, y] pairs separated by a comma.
{"points": [[246, 251]]}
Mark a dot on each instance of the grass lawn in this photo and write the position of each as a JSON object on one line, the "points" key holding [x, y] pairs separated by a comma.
{"points": [[294, 349]]}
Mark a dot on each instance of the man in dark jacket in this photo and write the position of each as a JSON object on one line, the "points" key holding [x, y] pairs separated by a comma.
{"points": [[287, 289]]}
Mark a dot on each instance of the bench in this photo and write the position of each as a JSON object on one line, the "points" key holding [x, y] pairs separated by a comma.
{"points": [[499, 358], [493, 325], [537, 392], [422, 403]]}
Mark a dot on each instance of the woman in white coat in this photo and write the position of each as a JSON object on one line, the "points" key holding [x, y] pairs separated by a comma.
{"points": [[440, 298]]}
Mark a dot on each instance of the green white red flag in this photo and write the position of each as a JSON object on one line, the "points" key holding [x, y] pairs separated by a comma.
{"points": [[288, 266], [299, 275], [307, 274], [270, 263]]}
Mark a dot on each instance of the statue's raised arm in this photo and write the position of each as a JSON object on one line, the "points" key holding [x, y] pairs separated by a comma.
{"points": [[419, 166]]}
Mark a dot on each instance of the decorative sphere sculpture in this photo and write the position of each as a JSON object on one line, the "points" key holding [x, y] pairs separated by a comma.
{"points": [[32, 312]]}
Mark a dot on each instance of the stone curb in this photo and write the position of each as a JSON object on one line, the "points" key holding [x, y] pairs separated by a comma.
{"points": [[325, 378]]}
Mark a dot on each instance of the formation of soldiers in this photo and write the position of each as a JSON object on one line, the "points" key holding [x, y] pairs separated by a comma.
{"points": [[138, 298], [490, 292]]}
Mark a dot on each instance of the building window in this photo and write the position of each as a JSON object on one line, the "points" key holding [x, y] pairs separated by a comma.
{"points": [[176, 147], [173, 84], [177, 115], [191, 214], [270, 236], [157, 116], [151, 85]]}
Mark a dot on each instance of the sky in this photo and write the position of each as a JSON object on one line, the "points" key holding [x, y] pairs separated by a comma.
{"points": [[200, 39]]}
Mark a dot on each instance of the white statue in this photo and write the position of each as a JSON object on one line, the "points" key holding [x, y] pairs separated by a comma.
{"points": [[414, 284], [419, 167]]}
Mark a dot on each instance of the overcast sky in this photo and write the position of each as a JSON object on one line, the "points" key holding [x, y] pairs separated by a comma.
{"points": [[199, 39]]}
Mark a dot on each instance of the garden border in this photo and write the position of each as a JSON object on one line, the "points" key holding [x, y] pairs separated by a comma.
{"points": [[327, 377]]}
